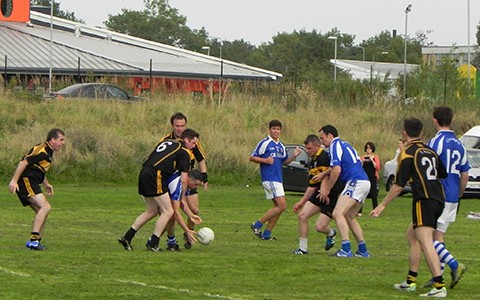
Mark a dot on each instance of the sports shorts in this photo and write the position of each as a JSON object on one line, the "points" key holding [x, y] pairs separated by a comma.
{"points": [[326, 209], [273, 189], [357, 190], [27, 187], [152, 183], [425, 212]]}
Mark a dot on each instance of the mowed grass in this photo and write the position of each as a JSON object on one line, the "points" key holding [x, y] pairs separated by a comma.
{"points": [[84, 260]]}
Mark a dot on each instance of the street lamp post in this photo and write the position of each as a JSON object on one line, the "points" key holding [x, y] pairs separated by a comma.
{"points": [[468, 44], [363, 51], [335, 57], [206, 48], [407, 10]]}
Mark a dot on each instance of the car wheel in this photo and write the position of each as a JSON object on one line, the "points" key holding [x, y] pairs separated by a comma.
{"points": [[389, 184]]}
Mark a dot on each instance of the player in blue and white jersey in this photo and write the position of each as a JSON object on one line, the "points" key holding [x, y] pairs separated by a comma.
{"points": [[453, 156], [270, 153], [346, 167], [175, 188]]}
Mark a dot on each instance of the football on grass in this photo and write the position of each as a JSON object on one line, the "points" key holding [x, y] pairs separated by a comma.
{"points": [[205, 235]]}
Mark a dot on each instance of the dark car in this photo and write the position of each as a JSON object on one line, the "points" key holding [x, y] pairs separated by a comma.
{"points": [[295, 174], [101, 91]]}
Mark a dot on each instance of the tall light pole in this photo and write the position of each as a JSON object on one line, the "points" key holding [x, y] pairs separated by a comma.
{"points": [[51, 49], [363, 51], [335, 63], [206, 48], [407, 10], [468, 43]]}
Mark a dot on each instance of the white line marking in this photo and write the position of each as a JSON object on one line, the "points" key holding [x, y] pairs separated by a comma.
{"points": [[162, 287], [14, 273]]}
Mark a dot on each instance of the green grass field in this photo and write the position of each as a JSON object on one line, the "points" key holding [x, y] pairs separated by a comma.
{"points": [[84, 260]]}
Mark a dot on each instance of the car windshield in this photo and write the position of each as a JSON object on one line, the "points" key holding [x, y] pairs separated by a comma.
{"points": [[473, 158]]}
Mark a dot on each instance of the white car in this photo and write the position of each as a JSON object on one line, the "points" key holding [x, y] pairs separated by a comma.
{"points": [[472, 189], [471, 138], [389, 171]]}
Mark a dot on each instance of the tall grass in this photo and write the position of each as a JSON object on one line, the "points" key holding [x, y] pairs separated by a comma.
{"points": [[108, 140]]}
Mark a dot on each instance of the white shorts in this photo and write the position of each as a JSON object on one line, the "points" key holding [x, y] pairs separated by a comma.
{"points": [[175, 187], [448, 216], [273, 189], [357, 190]]}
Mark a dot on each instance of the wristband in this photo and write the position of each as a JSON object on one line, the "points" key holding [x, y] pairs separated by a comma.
{"points": [[204, 177]]}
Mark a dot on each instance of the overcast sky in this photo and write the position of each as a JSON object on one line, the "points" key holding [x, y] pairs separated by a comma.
{"points": [[257, 21]]}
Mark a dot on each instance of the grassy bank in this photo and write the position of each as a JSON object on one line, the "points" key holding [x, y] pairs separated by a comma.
{"points": [[107, 141]]}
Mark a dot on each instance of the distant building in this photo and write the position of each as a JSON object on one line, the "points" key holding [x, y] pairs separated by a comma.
{"points": [[370, 69], [459, 54], [82, 51]]}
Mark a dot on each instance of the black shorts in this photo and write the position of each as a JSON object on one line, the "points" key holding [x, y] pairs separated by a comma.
{"points": [[192, 192], [326, 209], [152, 183], [425, 212], [27, 187]]}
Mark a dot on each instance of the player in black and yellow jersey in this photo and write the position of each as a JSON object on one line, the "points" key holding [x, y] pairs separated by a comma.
{"points": [[30, 173], [310, 205], [168, 157], [179, 121], [421, 166]]}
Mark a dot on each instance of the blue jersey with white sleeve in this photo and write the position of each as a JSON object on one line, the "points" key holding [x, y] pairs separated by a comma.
{"points": [[344, 155], [269, 148], [453, 156]]}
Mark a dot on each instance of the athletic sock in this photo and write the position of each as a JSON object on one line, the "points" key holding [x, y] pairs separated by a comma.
{"points": [[439, 282], [362, 247], [444, 255], [303, 244], [34, 236], [331, 232], [258, 224], [412, 277], [154, 240], [171, 240], [346, 246], [130, 234]]}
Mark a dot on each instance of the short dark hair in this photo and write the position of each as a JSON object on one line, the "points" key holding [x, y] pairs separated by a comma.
{"points": [[54, 133], [275, 123], [195, 175], [443, 114], [369, 145], [312, 138], [413, 127], [178, 116], [190, 134], [329, 129]]}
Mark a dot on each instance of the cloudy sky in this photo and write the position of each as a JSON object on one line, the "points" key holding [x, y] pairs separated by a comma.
{"points": [[257, 21]]}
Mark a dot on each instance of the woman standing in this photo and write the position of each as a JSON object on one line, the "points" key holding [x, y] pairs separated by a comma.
{"points": [[371, 165]]}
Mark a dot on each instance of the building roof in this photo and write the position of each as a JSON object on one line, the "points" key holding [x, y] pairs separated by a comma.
{"points": [[104, 52], [368, 69]]}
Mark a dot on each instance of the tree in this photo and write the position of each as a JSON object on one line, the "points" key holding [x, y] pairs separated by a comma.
{"points": [[158, 22], [57, 12]]}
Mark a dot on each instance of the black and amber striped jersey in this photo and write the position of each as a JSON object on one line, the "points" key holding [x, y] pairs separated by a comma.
{"points": [[421, 166], [198, 151], [169, 156], [319, 163], [39, 159]]}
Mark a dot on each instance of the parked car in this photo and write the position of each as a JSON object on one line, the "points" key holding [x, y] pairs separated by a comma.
{"points": [[389, 171], [103, 91], [295, 174], [471, 138], [472, 189]]}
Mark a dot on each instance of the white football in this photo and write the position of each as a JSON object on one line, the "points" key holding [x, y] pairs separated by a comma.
{"points": [[205, 235]]}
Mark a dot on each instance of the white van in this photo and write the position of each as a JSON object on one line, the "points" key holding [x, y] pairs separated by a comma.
{"points": [[471, 138]]}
